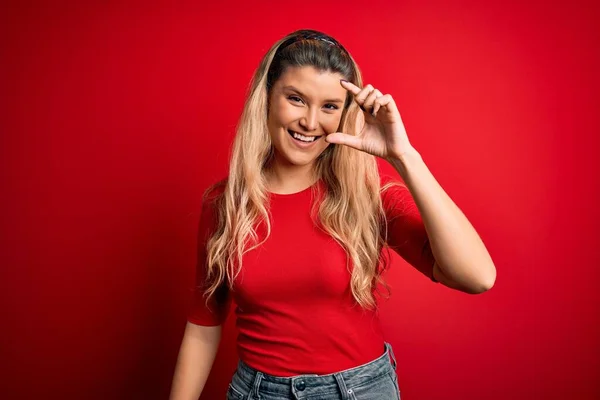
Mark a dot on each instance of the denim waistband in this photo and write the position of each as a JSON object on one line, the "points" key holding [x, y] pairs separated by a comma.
{"points": [[260, 382]]}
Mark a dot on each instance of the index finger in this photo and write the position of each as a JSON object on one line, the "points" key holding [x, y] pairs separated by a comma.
{"points": [[350, 87]]}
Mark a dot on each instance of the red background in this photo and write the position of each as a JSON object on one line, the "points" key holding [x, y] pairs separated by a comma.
{"points": [[116, 117]]}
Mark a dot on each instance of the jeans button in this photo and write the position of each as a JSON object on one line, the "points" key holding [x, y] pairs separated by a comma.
{"points": [[300, 385]]}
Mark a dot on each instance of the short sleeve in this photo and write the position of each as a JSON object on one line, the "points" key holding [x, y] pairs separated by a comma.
{"points": [[406, 233], [216, 311]]}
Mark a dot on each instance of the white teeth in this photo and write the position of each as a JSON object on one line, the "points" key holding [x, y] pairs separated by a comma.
{"points": [[304, 138]]}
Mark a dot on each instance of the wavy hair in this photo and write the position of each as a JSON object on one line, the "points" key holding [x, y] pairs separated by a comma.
{"points": [[349, 209]]}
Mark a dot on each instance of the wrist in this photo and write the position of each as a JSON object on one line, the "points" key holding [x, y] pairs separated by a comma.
{"points": [[403, 162]]}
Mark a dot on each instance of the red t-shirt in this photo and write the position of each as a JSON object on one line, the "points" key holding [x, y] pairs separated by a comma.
{"points": [[295, 310]]}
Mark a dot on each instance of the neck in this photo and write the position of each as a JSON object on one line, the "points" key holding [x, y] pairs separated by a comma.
{"points": [[288, 178]]}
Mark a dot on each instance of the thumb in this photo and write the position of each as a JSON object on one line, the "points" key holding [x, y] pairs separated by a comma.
{"points": [[343, 138]]}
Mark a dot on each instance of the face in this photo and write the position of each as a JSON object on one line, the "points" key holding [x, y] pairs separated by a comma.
{"points": [[305, 104]]}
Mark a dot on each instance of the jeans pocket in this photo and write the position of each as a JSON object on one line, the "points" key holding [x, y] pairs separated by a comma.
{"points": [[352, 395], [234, 394], [381, 387], [394, 378]]}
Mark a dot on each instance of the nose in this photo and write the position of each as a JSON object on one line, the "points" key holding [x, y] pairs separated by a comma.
{"points": [[309, 120]]}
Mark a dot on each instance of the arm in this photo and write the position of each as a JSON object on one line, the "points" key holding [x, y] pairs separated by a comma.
{"points": [[196, 356], [204, 322], [461, 260]]}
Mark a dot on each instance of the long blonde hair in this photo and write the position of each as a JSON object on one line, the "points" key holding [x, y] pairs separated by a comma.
{"points": [[351, 208]]}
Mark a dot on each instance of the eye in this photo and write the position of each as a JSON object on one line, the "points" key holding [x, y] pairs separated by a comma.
{"points": [[330, 106]]}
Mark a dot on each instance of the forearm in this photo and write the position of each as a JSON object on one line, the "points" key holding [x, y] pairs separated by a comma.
{"points": [[196, 356], [457, 248]]}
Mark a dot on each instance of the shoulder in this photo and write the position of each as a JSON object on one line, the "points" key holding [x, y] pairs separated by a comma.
{"points": [[214, 191], [211, 198], [395, 195], [210, 206], [390, 184]]}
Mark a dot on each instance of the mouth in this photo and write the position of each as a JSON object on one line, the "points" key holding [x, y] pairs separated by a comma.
{"points": [[302, 138]]}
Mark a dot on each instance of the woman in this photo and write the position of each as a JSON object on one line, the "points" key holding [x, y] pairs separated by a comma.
{"points": [[295, 234]]}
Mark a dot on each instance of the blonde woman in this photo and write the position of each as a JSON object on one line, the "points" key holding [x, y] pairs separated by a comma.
{"points": [[296, 234]]}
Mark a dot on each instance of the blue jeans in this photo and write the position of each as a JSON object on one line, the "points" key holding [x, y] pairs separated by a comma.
{"points": [[375, 380]]}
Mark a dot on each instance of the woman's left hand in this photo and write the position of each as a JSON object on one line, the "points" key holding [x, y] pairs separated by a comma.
{"points": [[383, 133]]}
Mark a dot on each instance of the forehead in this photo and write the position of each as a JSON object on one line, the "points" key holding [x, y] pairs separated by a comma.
{"points": [[312, 82]]}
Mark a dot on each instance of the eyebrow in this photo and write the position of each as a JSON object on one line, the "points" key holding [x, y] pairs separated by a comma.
{"points": [[300, 93]]}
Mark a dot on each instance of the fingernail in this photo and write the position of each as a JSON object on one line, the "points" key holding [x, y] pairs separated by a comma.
{"points": [[343, 81]]}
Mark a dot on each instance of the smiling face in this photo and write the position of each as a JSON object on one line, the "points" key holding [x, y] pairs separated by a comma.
{"points": [[304, 105]]}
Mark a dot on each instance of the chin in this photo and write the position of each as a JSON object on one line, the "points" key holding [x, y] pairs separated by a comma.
{"points": [[299, 160]]}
